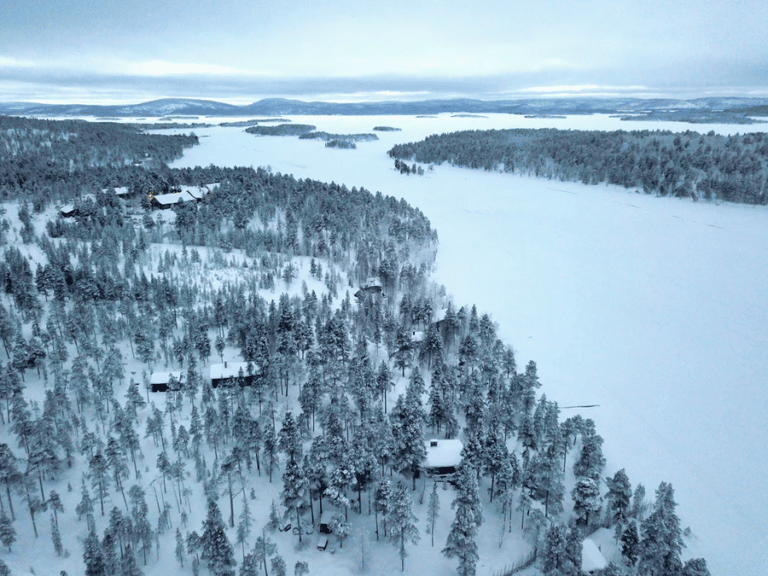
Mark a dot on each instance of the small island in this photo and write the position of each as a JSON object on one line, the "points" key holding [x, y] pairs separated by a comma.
{"points": [[281, 130], [386, 129]]}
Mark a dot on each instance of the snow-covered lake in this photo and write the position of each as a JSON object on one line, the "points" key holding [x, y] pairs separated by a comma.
{"points": [[655, 309]]}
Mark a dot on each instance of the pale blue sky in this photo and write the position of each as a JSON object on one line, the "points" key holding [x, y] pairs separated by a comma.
{"points": [[118, 50]]}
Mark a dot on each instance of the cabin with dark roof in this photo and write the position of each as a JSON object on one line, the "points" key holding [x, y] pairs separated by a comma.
{"points": [[231, 373], [164, 381]]}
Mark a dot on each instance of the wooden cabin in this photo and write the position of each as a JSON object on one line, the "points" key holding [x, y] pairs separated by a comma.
{"points": [[230, 373], [443, 458], [164, 381]]}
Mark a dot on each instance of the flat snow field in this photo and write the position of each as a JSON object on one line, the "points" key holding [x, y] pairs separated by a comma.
{"points": [[654, 309]]}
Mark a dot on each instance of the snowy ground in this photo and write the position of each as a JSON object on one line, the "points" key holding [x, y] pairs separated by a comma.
{"points": [[655, 309]]}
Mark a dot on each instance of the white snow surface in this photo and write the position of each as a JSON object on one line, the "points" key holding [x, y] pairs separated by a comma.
{"points": [[654, 309]]}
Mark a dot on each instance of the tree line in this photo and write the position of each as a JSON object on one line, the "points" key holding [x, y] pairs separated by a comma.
{"points": [[685, 164]]}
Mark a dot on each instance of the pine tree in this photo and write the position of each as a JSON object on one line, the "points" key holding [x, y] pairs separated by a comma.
{"points": [[244, 525], [586, 501], [295, 494], [696, 567], [661, 542], [433, 511], [462, 539], [93, 556], [215, 546], [619, 497], [128, 566], [401, 520], [142, 530], [179, 547], [55, 537], [554, 553], [300, 569], [278, 565], [7, 532], [263, 549], [630, 540], [383, 504]]}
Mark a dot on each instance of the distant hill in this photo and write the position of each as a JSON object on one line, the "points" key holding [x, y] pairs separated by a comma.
{"points": [[282, 106]]}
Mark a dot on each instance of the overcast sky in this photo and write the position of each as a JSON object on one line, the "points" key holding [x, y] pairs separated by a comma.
{"points": [[241, 51]]}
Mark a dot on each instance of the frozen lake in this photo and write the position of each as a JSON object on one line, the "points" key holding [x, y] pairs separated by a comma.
{"points": [[655, 309]]}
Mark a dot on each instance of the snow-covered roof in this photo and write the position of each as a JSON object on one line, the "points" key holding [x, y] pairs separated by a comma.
{"points": [[164, 377], [591, 557], [444, 453], [175, 198], [229, 370]]}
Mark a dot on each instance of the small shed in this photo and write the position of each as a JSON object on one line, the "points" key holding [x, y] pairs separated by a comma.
{"points": [[592, 558], [68, 211], [443, 457], [230, 371], [164, 381]]}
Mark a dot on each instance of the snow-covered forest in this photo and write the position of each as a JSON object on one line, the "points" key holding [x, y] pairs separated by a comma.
{"points": [[355, 359]]}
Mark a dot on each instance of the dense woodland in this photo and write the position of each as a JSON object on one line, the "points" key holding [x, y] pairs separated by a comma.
{"points": [[345, 391], [45, 152], [685, 164]]}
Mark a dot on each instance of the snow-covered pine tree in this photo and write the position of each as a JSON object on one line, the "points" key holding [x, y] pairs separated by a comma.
{"points": [[7, 532], [619, 497], [586, 502], [462, 539], [244, 525], [179, 550], [216, 549], [93, 556], [402, 522], [661, 537], [433, 511], [295, 494], [554, 553]]}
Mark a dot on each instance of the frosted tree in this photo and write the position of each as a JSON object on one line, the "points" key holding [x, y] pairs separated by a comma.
{"points": [[462, 539], [639, 505], [93, 556], [661, 537], [142, 529], [383, 505], [215, 547], [7, 533], [586, 501], [402, 523], [619, 497], [128, 566], [295, 494], [433, 511], [244, 524], [179, 550], [630, 542], [591, 461], [263, 549], [696, 567], [301, 569], [554, 553]]}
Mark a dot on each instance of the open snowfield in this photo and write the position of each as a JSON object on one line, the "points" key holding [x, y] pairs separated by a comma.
{"points": [[655, 309]]}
